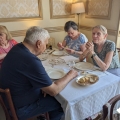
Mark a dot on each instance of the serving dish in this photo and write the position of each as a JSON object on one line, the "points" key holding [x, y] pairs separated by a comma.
{"points": [[88, 79]]}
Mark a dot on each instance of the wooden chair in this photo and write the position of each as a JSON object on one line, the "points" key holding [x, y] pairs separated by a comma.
{"points": [[108, 108], [51, 43], [7, 94]]}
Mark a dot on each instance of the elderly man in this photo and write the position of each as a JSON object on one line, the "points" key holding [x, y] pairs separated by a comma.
{"points": [[26, 77]]}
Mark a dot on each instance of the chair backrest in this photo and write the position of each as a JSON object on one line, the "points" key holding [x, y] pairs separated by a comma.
{"points": [[108, 108], [51, 42], [6, 93]]}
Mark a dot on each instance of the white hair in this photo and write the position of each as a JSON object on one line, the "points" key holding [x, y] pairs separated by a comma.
{"points": [[36, 33], [101, 28]]}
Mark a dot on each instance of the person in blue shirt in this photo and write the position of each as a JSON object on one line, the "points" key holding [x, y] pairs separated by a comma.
{"points": [[74, 42], [23, 73]]}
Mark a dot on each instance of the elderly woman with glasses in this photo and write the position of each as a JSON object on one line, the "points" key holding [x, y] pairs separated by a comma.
{"points": [[102, 51], [6, 42], [75, 40]]}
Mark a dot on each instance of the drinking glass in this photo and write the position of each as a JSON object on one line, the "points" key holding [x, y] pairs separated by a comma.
{"points": [[71, 64]]}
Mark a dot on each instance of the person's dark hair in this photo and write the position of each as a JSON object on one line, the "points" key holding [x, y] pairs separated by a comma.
{"points": [[70, 24]]}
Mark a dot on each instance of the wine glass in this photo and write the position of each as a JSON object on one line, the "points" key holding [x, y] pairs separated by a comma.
{"points": [[71, 64]]}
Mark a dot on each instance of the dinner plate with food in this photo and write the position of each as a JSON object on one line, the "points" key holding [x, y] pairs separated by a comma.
{"points": [[88, 79]]}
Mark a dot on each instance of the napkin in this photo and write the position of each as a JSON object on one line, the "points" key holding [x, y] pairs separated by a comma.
{"points": [[69, 58]]}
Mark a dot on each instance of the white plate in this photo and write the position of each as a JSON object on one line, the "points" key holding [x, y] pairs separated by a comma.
{"points": [[47, 68], [58, 53], [84, 66], [55, 74]]}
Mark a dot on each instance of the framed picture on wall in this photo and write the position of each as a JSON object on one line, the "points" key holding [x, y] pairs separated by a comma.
{"points": [[60, 9], [15, 10], [100, 9]]}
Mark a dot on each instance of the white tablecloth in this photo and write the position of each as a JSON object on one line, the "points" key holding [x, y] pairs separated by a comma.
{"points": [[80, 102]]}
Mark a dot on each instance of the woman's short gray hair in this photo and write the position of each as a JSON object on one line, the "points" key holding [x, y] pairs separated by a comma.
{"points": [[101, 28], [70, 24], [36, 33]]}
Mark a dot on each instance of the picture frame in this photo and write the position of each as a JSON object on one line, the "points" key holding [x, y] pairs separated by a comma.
{"points": [[38, 16], [100, 9], [65, 13]]}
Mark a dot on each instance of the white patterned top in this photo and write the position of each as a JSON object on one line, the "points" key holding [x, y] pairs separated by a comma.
{"points": [[75, 44]]}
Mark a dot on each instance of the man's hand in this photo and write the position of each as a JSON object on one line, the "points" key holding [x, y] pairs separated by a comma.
{"points": [[72, 73]]}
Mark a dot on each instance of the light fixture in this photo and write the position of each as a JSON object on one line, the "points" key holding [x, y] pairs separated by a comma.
{"points": [[78, 8]]}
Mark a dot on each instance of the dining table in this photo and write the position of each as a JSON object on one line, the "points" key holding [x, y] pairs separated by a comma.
{"points": [[81, 101]]}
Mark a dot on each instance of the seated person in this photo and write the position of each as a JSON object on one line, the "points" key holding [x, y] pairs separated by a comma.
{"points": [[102, 51], [6, 42], [26, 78], [75, 41]]}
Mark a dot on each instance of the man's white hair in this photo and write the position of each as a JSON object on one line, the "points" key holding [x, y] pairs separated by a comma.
{"points": [[36, 33]]}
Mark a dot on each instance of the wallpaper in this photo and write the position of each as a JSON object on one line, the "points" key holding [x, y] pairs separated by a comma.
{"points": [[61, 7], [98, 7], [18, 8]]}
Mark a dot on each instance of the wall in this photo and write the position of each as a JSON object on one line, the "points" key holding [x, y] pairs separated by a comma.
{"points": [[118, 38]]}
